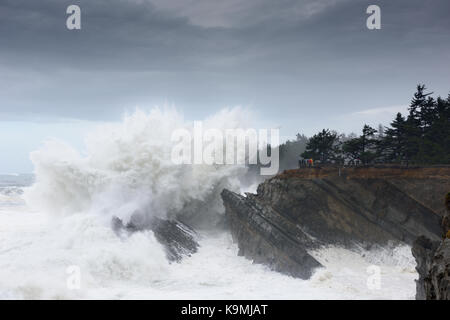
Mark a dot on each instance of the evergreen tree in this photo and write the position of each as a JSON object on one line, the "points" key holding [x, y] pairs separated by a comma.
{"points": [[417, 103], [362, 148], [322, 146], [415, 149], [437, 133], [392, 146], [424, 136]]}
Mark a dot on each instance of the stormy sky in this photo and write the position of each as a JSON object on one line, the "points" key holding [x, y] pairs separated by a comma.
{"points": [[301, 65]]}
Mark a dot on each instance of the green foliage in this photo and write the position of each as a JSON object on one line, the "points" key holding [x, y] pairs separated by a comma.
{"points": [[422, 137], [392, 146], [363, 147], [323, 146]]}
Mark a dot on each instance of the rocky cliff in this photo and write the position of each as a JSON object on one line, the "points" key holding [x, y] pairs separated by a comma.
{"points": [[433, 266], [439, 273], [433, 263], [303, 209]]}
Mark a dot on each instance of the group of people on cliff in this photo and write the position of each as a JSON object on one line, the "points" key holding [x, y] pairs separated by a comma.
{"points": [[305, 163], [309, 163]]}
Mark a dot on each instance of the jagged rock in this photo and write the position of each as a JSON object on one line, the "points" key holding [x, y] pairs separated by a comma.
{"points": [[446, 220], [433, 263], [177, 238], [439, 275], [433, 266], [423, 251], [265, 237], [301, 210]]}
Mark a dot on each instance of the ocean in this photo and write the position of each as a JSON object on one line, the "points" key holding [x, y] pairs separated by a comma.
{"points": [[56, 240]]}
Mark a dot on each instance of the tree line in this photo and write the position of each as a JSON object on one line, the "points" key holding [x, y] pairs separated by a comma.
{"points": [[420, 137]]}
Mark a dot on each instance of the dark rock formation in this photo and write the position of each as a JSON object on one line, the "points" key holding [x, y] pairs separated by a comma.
{"points": [[439, 275], [446, 220], [423, 251], [433, 263], [177, 238], [300, 210], [266, 237], [433, 266]]}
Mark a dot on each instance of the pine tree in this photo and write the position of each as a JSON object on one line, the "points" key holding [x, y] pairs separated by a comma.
{"points": [[322, 146], [362, 148], [424, 136], [437, 133], [393, 144], [415, 146], [417, 103]]}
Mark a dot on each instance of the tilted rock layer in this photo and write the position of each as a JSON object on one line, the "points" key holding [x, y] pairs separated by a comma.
{"points": [[303, 209], [177, 238]]}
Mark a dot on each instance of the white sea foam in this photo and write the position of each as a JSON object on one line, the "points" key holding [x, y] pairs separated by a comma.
{"points": [[37, 249], [126, 168]]}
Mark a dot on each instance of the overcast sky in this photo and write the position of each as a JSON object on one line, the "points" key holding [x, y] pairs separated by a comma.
{"points": [[301, 65]]}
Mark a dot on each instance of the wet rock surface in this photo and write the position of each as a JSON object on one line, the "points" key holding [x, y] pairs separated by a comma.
{"points": [[423, 251], [433, 266], [178, 239], [266, 237], [439, 287], [433, 263]]}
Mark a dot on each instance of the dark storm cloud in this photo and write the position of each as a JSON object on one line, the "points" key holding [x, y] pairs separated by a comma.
{"points": [[290, 59]]}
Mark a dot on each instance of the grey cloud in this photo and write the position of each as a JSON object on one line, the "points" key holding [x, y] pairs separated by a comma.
{"points": [[233, 13], [297, 62]]}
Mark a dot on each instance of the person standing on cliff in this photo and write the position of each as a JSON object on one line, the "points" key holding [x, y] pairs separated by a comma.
{"points": [[301, 162]]}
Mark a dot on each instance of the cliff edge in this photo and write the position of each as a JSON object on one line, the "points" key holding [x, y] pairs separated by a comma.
{"points": [[303, 209]]}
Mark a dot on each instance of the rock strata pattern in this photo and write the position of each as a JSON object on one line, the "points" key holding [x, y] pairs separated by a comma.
{"points": [[300, 210], [178, 239]]}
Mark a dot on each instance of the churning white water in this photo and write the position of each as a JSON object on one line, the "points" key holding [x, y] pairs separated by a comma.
{"points": [[64, 220]]}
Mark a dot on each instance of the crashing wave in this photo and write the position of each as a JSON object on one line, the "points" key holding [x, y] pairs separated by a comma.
{"points": [[127, 168]]}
